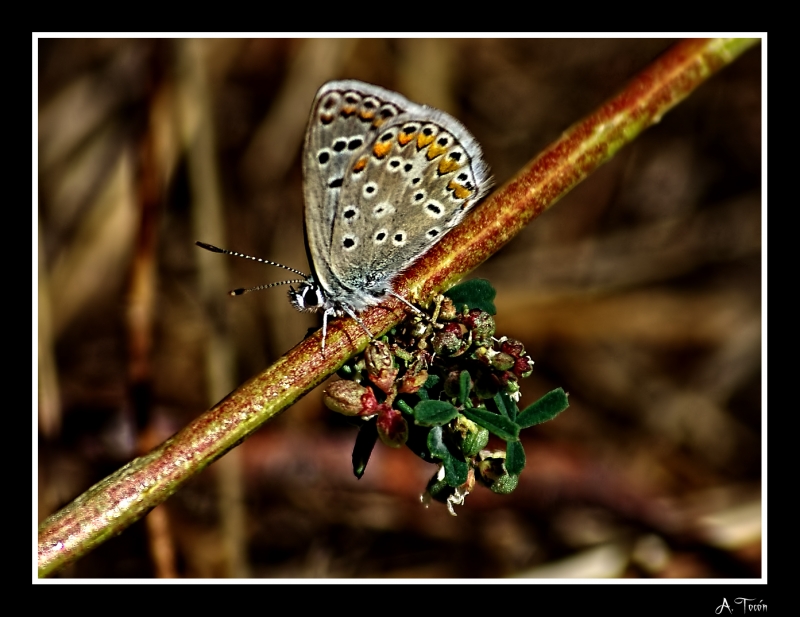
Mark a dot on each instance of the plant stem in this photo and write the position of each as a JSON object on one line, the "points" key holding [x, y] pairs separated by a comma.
{"points": [[122, 498]]}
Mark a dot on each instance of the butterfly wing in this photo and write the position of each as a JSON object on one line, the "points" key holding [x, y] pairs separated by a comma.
{"points": [[413, 181], [393, 177], [344, 116]]}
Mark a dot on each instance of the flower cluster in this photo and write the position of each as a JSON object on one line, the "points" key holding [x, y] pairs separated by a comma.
{"points": [[439, 386]]}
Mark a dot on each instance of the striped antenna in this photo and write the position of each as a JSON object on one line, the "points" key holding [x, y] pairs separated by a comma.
{"points": [[216, 249], [242, 290]]}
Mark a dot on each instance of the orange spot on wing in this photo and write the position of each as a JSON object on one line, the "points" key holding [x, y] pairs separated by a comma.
{"points": [[459, 191], [447, 165], [423, 140], [434, 151], [360, 165], [404, 138], [382, 148]]}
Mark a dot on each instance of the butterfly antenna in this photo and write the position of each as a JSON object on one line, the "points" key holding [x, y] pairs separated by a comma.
{"points": [[243, 290], [216, 249]]}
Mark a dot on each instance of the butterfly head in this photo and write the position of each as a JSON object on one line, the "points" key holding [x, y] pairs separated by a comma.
{"points": [[308, 297]]}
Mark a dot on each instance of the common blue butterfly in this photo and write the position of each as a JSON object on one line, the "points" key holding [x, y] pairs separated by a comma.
{"points": [[383, 180]]}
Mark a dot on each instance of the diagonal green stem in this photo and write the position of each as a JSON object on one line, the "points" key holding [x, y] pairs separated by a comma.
{"points": [[125, 496]]}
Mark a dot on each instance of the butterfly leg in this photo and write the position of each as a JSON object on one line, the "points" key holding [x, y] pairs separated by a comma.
{"points": [[334, 312], [358, 319], [406, 302], [324, 329]]}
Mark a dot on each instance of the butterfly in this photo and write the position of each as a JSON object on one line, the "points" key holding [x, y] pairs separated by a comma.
{"points": [[383, 180]]}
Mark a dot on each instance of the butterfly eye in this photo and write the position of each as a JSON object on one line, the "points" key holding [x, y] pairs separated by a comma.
{"points": [[311, 297]]}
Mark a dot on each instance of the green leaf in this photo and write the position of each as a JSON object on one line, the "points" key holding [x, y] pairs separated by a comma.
{"points": [[494, 423], [431, 381], [403, 406], [515, 458], [546, 408], [434, 413], [475, 293], [511, 406], [463, 387], [455, 468], [436, 445], [505, 484], [418, 441], [365, 441], [475, 442], [501, 405], [455, 471]]}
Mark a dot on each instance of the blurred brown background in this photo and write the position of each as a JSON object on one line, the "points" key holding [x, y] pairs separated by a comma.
{"points": [[639, 293]]}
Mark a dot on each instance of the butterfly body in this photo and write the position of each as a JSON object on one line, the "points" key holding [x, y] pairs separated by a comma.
{"points": [[384, 179]]}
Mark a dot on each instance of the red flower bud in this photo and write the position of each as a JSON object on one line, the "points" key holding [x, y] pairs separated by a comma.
{"points": [[392, 427], [513, 348], [378, 357], [523, 367], [412, 382], [447, 341], [349, 398], [482, 325], [379, 363], [502, 361]]}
